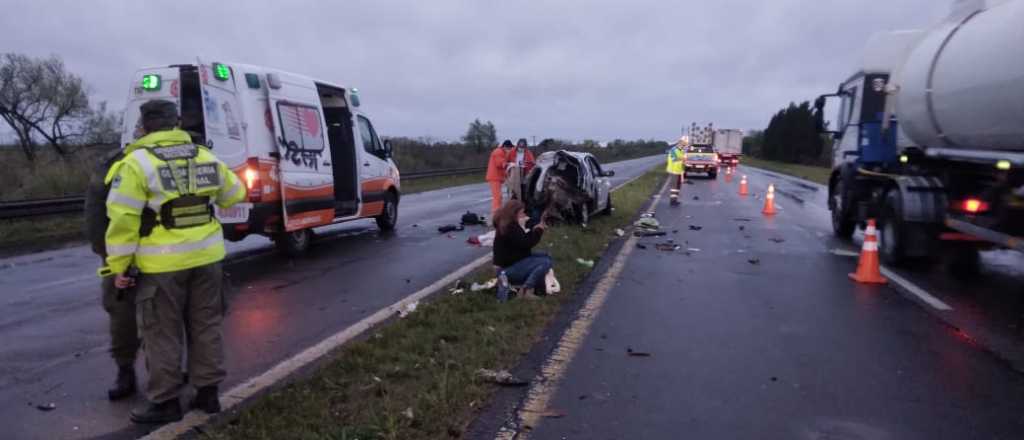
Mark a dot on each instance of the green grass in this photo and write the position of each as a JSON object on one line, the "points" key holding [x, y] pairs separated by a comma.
{"points": [[39, 233], [810, 172], [432, 183], [426, 362]]}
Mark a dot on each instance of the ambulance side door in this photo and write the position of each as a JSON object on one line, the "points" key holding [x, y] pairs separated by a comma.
{"points": [[306, 174]]}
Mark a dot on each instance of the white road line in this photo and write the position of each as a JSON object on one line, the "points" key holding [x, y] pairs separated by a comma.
{"points": [[916, 291], [36, 287], [528, 416], [235, 396], [906, 284]]}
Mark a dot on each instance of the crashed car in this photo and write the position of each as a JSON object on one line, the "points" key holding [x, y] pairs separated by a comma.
{"points": [[567, 186]]}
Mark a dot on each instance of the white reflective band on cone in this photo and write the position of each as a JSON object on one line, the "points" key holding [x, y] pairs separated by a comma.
{"points": [[181, 248], [870, 246]]}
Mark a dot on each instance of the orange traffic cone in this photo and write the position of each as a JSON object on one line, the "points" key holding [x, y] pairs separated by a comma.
{"points": [[728, 174], [867, 268], [769, 201], [743, 186]]}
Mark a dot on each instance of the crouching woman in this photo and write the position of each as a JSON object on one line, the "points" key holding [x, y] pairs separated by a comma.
{"points": [[513, 251]]}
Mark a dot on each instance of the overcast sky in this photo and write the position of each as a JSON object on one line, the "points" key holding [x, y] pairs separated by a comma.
{"points": [[569, 69]]}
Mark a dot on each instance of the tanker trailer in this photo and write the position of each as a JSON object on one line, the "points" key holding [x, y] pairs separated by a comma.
{"points": [[930, 137]]}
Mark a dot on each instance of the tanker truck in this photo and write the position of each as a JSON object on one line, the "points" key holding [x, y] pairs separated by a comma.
{"points": [[930, 137]]}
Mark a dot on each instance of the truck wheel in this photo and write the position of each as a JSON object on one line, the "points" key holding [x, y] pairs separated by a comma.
{"points": [[387, 220], [713, 174], [294, 243], [842, 224], [892, 246]]}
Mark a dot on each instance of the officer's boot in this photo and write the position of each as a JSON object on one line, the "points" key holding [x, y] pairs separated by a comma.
{"points": [[207, 400], [154, 413], [124, 386]]}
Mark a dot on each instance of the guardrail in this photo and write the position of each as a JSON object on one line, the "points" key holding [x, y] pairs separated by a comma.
{"points": [[75, 204]]}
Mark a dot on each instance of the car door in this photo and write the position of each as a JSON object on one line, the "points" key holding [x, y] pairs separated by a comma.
{"points": [[307, 177], [374, 167], [602, 183]]}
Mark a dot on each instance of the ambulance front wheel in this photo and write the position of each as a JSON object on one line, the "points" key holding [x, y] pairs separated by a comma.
{"points": [[388, 218], [294, 243]]}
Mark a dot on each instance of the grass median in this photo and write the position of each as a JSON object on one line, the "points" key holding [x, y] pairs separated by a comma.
{"points": [[415, 378], [809, 172]]}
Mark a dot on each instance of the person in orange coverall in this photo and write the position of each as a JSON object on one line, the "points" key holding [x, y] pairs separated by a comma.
{"points": [[496, 172]]}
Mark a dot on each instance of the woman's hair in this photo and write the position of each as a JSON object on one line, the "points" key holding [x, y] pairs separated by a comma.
{"points": [[506, 216]]}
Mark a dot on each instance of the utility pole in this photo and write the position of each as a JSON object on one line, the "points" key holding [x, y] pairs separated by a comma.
{"points": [[534, 137]]}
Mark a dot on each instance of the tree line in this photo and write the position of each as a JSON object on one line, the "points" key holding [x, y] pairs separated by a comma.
{"points": [[791, 136]]}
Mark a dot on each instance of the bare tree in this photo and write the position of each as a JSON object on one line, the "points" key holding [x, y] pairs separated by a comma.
{"points": [[101, 127], [40, 97]]}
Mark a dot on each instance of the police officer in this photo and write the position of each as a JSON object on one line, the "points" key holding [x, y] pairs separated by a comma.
{"points": [[676, 167], [167, 177], [118, 303]]}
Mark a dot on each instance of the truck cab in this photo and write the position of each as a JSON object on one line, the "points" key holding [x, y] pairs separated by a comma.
{"points": [[308, 154]]}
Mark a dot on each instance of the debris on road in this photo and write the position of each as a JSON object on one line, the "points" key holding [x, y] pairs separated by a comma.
{"points": [[408, 309], [692, 249], [503, 378], [741, 219], [46, 406], [472, 218], [667, 247], [415, 225], [619, 232], [777, 239], [696, 228], [450, 228], [629, 351], [641, 246], [755, 261], [649, 233], [742, 227], [585, 263], [456, 291], [696, 198], [553, 414], [476, 287], [482, 239], [675, 231], [648, 223]]}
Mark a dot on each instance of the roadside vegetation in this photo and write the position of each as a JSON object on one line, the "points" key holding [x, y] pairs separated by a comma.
{"points": [[813, 173], [415, 377]]}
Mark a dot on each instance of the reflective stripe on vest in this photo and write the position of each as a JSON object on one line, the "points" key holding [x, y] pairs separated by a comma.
{"points": [[179, 248]]}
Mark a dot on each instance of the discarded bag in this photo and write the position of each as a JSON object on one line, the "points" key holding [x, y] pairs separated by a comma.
{"points": [[477, 287], [408, 309], [649, 223], [502, 377], [586, 263], [551, 284], [450, 228], [472, 218]]}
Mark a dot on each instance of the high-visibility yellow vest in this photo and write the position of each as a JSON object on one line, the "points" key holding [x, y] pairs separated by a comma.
{"points": [[676, 160], [159, 172]]}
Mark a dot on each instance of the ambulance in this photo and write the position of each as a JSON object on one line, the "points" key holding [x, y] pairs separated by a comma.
{"points": [[308, 155]]}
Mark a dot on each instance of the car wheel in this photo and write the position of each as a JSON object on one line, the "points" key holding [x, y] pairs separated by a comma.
{"points": [[388, 218], [583, 213], [608, 206], [713, 174], [294, 243]]}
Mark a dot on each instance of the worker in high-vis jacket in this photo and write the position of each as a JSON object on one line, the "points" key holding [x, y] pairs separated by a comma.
{"points": [[676, 167], [172, 184]]}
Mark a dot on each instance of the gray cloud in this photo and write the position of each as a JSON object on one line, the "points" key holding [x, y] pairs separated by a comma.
{"points": [[575, 69]]}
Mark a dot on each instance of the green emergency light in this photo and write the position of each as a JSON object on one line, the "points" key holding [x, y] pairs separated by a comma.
{"points": [[150, 82], [221, 72]]}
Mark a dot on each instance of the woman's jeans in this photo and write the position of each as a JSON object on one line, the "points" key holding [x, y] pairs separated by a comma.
{"points": [[530, 271]]}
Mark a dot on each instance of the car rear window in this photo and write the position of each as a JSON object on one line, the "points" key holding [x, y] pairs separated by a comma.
{"points": [[699, 149]]}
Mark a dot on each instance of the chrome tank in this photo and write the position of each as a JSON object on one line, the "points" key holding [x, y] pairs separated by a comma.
{"points": [[963, 85]]}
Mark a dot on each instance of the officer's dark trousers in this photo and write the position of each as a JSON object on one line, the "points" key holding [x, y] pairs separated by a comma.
{"points": [[180, 314], [124, 335]]}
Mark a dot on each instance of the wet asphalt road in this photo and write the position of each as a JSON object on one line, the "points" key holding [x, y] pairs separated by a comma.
{"points": [[54, 330], [789, 347]]}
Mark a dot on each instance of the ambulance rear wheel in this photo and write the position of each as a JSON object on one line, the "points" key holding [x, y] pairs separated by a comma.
{"points": [[294, 243], [388, 218]]}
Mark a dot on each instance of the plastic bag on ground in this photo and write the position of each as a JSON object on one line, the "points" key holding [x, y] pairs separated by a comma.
{"points": [[551, 284]]}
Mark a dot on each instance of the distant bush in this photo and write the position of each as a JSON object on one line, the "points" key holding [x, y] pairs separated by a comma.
{"points": [[49, 175]]}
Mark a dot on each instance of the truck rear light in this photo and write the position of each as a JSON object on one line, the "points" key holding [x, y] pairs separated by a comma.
{"points": [[253, 182], [974, 206]]}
